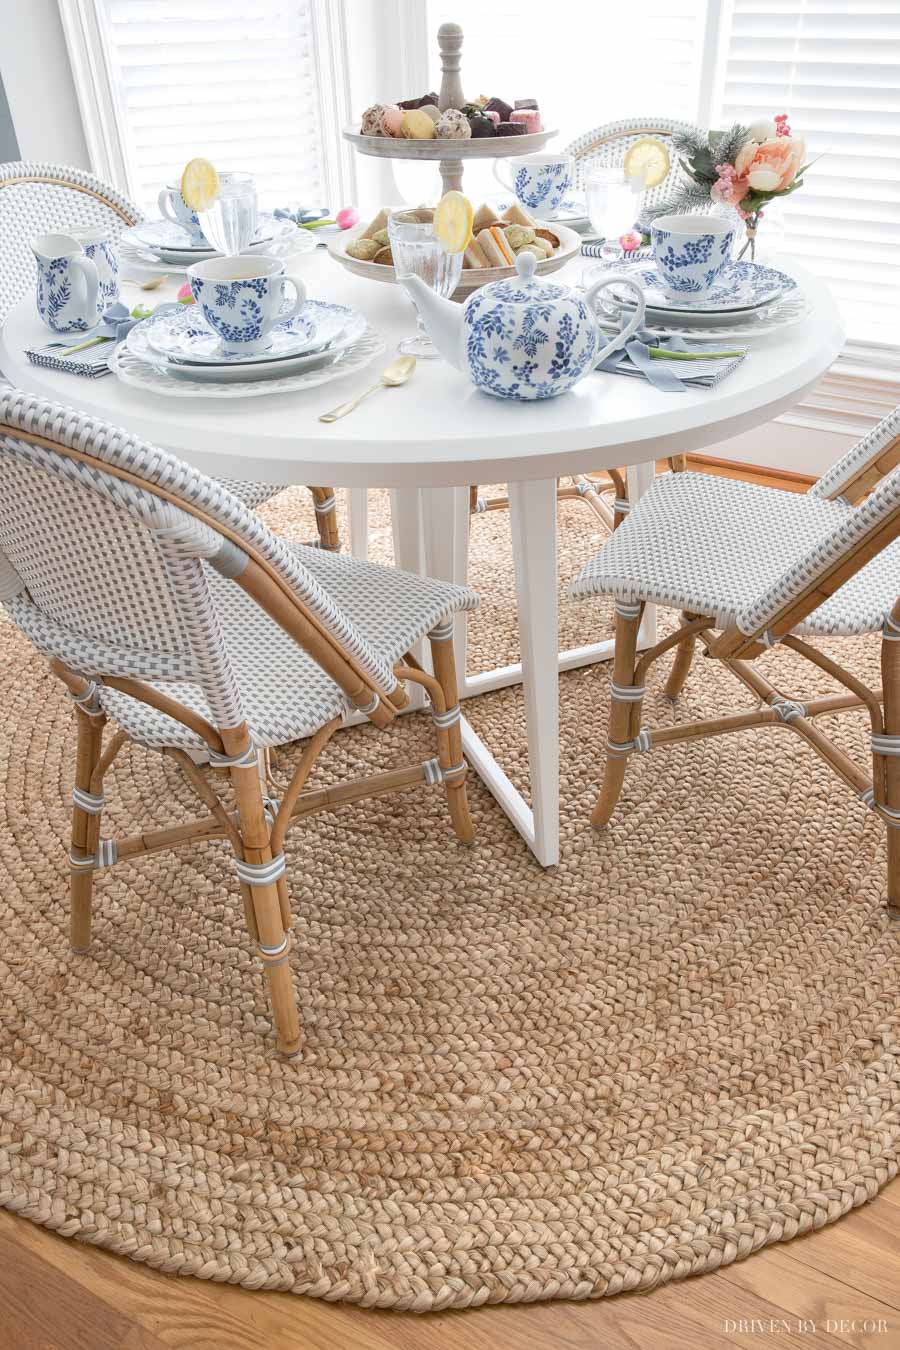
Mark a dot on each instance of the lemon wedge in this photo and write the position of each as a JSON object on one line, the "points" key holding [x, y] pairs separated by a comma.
{"points": [[453, 222], [647, 161], [199, 184]]}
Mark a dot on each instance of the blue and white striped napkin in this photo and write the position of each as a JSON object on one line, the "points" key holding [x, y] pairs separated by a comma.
{"points": [[93, 362]]}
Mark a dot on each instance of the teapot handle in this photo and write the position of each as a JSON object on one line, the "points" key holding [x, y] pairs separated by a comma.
{"points": [[636, 319]]}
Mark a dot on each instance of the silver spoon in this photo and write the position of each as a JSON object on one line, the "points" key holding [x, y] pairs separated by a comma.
{"points": [[397, 373]]}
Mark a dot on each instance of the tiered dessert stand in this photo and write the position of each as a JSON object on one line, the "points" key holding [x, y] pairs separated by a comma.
{"points": [[451, 155]]}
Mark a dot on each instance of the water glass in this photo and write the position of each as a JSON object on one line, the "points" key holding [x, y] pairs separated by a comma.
{"points": [[417, 253], [230, 222], [610, 205]]}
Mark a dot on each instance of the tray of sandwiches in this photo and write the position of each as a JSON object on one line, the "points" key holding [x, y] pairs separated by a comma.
{"points": [[490, 256]]}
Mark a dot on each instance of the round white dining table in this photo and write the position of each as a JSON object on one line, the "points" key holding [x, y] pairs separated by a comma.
{"points": [[430, 439]]}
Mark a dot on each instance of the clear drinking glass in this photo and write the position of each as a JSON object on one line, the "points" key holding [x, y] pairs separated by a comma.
{"points": [[230, 223], [417, 253], [611, 203]]}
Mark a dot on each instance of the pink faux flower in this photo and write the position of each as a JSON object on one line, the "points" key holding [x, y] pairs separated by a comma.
{"points": [[781, 125], [772, 166], [629, 241], [184, 296], [729, 188], [347, 217]]}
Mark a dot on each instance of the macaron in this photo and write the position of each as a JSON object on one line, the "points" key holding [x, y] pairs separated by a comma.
{"points": [[417, 125], [391, 118]]}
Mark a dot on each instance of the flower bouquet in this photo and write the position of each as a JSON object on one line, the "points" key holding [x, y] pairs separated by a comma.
{"points": [[744, 167]]}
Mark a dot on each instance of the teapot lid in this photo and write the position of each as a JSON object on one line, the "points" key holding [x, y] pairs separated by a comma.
{"points": [[525, 288]]}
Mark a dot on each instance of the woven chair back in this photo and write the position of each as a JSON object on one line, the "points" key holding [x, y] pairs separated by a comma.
{"points": [[606, 145]]}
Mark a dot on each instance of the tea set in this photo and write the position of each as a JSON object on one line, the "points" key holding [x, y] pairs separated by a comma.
{"points": [[520, 338]]}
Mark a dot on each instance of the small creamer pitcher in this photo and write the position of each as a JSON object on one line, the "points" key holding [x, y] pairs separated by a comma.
{"points": [[69, 298]]}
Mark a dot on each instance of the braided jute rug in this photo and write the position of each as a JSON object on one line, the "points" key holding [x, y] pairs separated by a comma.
{"points": [[679, 1045]]}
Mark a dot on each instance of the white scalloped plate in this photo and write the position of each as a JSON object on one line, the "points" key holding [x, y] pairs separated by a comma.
{"points": [[793, 308], [286, 243], [158, 378]]}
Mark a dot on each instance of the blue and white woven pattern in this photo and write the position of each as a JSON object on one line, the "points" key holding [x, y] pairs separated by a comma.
{"points": [[869, 448], [739, 552], [110, 577]]}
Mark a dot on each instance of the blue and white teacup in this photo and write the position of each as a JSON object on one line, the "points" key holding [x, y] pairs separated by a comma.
{"points": [[540, 181], [242, 298], [69, 299], [100, 247], [173, 206], [690, 251]]}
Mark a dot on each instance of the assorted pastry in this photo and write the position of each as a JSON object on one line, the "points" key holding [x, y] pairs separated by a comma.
{"points": [[420, 119], [495, 242]]}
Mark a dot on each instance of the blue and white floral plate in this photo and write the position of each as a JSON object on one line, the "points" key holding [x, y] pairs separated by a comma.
{"points": [[740, 286], [183, 337]]}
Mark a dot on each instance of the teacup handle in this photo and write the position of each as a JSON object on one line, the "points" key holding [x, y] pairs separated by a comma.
{"points": [[88, 269], [163, 202], [618, 278], [507, 182], [300, 300]]}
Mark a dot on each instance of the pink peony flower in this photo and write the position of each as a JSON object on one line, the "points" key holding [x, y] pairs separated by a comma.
{"points": [[781, 125], [347, 217], [772, 166], [629, 241]]}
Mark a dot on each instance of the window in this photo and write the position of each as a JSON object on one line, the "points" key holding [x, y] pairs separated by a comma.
{"points": [[835, 67], [248, 85]]}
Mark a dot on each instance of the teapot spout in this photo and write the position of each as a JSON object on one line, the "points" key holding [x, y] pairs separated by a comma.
{"points": [[443, 319]]}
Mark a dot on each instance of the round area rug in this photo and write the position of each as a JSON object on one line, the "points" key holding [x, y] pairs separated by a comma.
{"points": [[677, 1046]]}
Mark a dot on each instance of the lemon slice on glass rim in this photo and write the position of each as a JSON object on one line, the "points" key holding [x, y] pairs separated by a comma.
{"points": [[647, 161], [199, 184], [453, 222]]}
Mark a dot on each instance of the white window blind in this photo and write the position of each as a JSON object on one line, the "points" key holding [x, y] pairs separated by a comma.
{"points": [[233, 80], [834, 67]]}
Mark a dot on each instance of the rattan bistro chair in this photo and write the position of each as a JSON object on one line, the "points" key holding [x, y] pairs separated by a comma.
{"points": [[606, 492], [169, 609], [750, 567], [40, 198]]}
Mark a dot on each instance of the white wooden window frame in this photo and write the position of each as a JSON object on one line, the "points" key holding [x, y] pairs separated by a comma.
{"points": [[105, 137]]}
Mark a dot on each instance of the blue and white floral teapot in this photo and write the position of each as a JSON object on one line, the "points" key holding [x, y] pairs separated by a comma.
{"points": [[523, 337]]}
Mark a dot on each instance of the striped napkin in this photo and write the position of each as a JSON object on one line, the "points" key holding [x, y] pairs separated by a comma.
{"points": [[674, 376], [93, 362]]}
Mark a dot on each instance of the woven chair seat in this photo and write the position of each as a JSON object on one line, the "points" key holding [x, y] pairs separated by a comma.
{"points": [[714, 546], [253, 495], [286, 695]]}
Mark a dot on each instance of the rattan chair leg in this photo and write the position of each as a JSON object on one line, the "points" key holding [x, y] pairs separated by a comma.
{"points": [[890, 683], [624, 715], [85, 829], [449, 734], [326, 518], [681, 666], [273, 940]]}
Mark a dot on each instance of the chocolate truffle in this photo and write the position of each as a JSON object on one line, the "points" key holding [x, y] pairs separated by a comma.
{"points": [[497, 105], [481, 125], [419, 102]]}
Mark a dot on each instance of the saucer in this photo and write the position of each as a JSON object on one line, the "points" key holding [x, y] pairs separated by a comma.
{"points": [[739, 286], [572, 211], [171, 244], [184, 338]]}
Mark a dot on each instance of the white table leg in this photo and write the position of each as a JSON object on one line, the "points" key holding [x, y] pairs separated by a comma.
{"points": [[533, 523], [445, 517], [640, 477], [409, 556], [358, 511]]}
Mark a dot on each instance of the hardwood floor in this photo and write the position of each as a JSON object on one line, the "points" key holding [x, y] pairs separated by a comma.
{"points": [[837, 1287]]}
